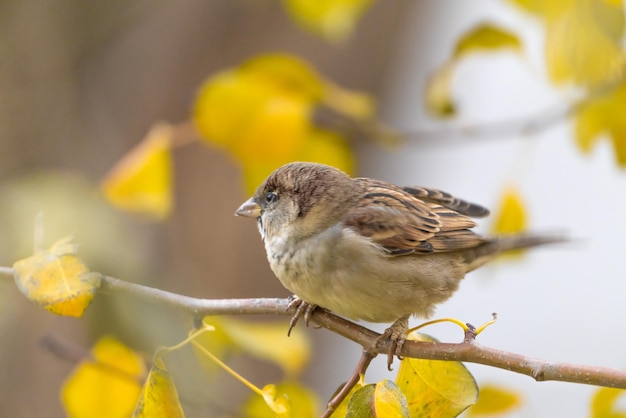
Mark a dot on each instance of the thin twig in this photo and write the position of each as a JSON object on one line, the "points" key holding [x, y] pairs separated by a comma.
{"points": [[359, 370], [468, 351]]}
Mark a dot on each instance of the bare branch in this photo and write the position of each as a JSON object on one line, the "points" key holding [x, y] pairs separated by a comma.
{"points": [[467, 351]]}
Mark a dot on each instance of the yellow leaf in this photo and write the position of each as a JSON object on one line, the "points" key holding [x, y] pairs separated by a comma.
{"points": [[356, 105], [256, 113], [216, 342], [511, 214], [294, 397], [332, 19], [435, 388], [267, 341], [604, 402], [604, 115], [494, 400], [57, 279], [486, 37], [107, 386], [383, 399], [262, 114], [159, 398], [142, 181], [545, 9], [287, 72], [584, 39], [438, 96], [321, 146]]}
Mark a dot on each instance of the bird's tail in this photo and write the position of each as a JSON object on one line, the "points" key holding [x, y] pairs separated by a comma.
{"points": [[477, 256]]}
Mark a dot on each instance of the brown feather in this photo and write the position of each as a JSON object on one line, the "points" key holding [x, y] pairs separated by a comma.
{"points": [[403, 223], [446, 199]]}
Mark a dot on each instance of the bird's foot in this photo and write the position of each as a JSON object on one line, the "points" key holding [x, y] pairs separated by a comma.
{"points": [[302, 309], [396, 335]]}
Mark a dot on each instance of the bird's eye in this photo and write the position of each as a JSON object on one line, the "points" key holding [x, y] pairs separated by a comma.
{"points": [[271, 197]]}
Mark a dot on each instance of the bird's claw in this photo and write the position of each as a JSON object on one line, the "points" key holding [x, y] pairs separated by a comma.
{"points": [[396, 335], [302, 309]]}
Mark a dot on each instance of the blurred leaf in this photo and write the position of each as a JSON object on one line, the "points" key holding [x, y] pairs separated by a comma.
{"points": [[483, 38], [604, 402], [359, 106], [486, 37], [383, 399], [546, 9], [57, 279], [604, 115], [107, 386], [583, 44], [584, 39], [299, 398], [287, 72], [216, 342], [159, 398], [267, 341], [141, 182], [494, 400], [334, 20], [438, 96], [257, 112], [262, 114], [435, 388], [511, 214]]}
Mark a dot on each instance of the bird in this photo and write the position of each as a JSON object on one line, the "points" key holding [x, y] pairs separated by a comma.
{"points": [[367, 249]]}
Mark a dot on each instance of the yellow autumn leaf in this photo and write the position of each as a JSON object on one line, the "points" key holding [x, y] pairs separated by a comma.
{"points": [[438, 96], [57, 279], [107, 386], [255, 114], [289, 73], [604, 116], [334, 20], [604, 403], [511, 213], [267, 341], [483, 38], [545, 9], [486, 37], [435, 388], [356, 105], [583, 39], [261, 112], [383, 399], [321, 146], [494, 400], [141, 182], [298, 398], [329, 148], [583, 44], [159, 398]]}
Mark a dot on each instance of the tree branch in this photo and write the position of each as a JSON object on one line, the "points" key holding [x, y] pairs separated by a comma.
{"points": [[467, 351]]}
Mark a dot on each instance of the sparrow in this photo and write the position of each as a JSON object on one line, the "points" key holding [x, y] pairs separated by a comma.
{"points": [[366, 249]]}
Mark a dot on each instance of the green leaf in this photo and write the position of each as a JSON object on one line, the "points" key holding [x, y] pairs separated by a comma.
{"points": [[383, 399]]}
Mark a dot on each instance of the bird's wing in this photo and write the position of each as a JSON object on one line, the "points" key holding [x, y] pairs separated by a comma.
{"points": [[446, 199], [403, 223]]}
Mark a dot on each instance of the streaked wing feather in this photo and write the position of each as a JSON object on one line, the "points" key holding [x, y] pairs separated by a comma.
{"points": [[446, 199], [393, 218], [404, 223]]}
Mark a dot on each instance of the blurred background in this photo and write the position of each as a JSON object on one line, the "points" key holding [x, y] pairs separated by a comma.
{"points": [[81, 83]]}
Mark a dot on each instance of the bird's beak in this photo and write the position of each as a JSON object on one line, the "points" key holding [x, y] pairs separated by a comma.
{"points": [[249, 209]]}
